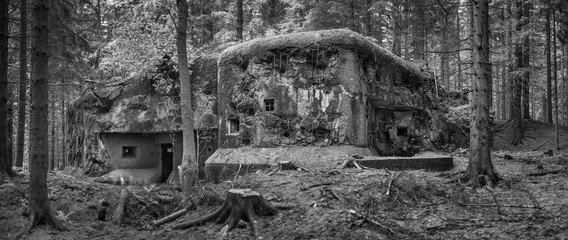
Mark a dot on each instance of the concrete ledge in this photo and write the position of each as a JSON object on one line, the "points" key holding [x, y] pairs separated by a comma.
{"points": [[226, 163], [439, 163]]}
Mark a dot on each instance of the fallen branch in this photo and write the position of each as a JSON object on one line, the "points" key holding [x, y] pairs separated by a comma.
{"points": [[173, 216], [324, 191], [537, 174], [491, 205], [349, 163], [287, 165], [533, 199], [542, 144], [393, 178], [316, 185], [370, 220]]}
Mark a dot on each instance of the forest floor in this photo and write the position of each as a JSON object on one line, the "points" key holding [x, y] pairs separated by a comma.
{"points": [[530, 203]]}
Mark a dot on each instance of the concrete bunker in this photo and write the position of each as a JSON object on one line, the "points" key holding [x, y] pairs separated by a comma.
{"points": [[136, 123], [324, 88]]}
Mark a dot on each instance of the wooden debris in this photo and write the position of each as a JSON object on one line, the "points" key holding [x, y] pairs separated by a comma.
{"points": [[349, 163], [240, 204], [173, 216], [543, 143], [537, 174], [328, 192], [119, 212], [287, 165]]}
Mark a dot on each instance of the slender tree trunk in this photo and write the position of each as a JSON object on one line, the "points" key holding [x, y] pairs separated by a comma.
{"points": [[369, 18], [4, 31], [240, 21], [419, 31], [548, 69], [61, 163], [190, 165], [526, 62], [459, 84], [51, 144], [397, 32], [555, 80], [406, 29], [444, 67], [516, 85], [22, 99], [353, 18], [40, 212], [480, 169]]}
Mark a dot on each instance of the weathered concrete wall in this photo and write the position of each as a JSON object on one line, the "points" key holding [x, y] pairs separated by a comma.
{"points": [[148, 149], [325, 85], [314, 100]]}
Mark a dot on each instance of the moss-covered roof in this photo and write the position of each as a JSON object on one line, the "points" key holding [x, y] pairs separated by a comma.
{"points": [[324, 39], [137, 105]]}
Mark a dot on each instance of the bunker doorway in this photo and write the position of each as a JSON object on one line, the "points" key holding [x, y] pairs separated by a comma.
{"points": [[167, 160]]}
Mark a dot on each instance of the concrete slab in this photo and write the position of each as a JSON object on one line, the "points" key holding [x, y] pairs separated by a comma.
{"points": [[433, 163], [226, 163]]}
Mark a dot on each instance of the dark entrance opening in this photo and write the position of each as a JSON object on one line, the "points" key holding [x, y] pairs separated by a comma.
{"points": [[167, 160]]}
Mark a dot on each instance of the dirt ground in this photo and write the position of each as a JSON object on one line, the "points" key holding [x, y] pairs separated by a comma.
{"points": [[331, 203]]}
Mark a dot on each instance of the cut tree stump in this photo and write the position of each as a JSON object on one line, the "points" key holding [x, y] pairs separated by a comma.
{"points": [[119, 212], [241, 204]]}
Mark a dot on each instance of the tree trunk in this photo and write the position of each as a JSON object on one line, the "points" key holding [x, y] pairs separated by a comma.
{"points": [[240, 21], [118, 215], [480, 166], [555, 69], [548, 68], [4, 31], [352, 14], [526, 62], [40, 212], [61, 162], [22, 98], [515, 113], [419, 31], [369, 19], [458, 47], [397, 32], [189, 162], [52, 142]]}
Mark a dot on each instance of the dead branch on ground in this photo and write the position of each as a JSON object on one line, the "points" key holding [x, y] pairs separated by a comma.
{"points": [[349, 163], [287, 165]]}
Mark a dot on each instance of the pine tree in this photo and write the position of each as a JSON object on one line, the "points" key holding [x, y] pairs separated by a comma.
{"points": [[480, 169], [40, 211]]}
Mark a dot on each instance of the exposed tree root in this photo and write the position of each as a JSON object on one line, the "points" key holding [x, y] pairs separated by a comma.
{"points": [[241, 204], [45, 217], [477, 180]]}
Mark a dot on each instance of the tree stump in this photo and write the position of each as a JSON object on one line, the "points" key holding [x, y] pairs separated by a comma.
{"points": [[119, 213], [241, 204]]}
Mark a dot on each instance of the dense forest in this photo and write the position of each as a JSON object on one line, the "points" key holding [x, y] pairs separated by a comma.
{"points": [[508, 57]]}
